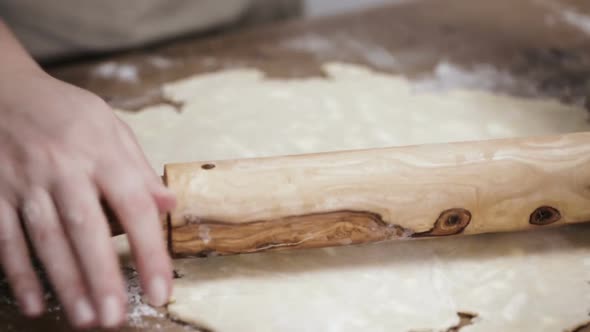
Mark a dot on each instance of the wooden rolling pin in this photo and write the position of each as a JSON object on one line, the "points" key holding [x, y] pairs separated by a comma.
{"points": [[363, 196]]}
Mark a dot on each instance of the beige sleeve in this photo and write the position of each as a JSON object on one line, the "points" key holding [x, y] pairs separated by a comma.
{"points": [[50, 29]]}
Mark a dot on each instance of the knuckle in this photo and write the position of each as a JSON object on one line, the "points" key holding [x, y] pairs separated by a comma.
{"points": [[38, 221], [74, 217], [139, 205], [78, 218], [131, 193], [31, 209], [127, 194], [137, 197]]}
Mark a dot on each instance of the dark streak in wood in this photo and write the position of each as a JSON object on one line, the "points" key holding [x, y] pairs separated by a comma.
{"points": [[544, 215], [208, 166], [202, 254], [450, 222], [315, 230]]}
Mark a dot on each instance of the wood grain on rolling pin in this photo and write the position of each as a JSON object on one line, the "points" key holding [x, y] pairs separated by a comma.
{"points": [[339, 198]]}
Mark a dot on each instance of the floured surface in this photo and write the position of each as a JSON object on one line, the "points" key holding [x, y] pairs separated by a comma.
{"points": [[513, 282], [239, 113]]}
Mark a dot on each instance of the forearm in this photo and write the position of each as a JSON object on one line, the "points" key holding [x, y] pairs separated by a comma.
{"points": [[13, 57]]}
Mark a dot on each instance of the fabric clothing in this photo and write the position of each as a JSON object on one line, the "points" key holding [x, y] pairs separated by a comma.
{"points": [[57, 28]]}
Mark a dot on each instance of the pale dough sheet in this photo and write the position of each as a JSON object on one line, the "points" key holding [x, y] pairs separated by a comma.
{"points": [[514, 282], [239, 113]]}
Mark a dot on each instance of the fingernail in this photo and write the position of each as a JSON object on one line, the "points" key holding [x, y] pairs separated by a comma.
{"points": [[158, 291], [111, 311], [32, 304], [83, 312]]}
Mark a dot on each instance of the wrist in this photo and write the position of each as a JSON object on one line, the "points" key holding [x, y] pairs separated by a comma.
{"points": [[14, 57]]}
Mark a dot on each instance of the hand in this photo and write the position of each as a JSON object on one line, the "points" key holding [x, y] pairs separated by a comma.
{"points": [[62, 149]]}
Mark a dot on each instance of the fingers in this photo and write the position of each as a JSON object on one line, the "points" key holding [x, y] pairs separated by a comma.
{"points": [[51, 245], [14, 258], [136, 210], [78, 204], [132, 147], [165, 199]]}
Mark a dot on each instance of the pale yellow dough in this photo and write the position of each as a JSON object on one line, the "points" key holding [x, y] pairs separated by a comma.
{"points": [[534, 281]]}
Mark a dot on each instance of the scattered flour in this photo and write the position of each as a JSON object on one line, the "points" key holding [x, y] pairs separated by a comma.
{"points": [[323, 47], [375, 55], [577, 19], [247, 114], [448, 76], [160, 62], [318, 8], [204, 233], [567, 14], [310, 43], [138, 308], [122, 72]]}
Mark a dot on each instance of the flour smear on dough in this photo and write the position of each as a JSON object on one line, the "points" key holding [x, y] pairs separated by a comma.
{"points": [[513, 282]]}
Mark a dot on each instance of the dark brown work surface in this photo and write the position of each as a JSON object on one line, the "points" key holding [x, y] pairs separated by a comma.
{"points": [[530, 40]]}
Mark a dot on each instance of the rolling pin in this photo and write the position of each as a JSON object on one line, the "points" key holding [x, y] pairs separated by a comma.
{"points": [[364, 196]]}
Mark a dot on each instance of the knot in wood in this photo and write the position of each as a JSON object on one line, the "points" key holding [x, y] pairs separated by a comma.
{"points": [[544, 215], [449, 222]]}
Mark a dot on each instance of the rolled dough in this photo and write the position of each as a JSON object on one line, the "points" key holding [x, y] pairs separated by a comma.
{"points": [[512, 282]]}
